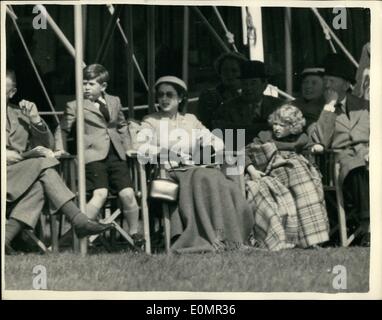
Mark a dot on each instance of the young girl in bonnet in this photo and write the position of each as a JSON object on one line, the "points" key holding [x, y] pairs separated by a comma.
{"points": [[285, 188]]}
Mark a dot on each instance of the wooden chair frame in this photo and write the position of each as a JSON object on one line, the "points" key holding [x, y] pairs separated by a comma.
{"points": [[68, 173], [331, 182]]}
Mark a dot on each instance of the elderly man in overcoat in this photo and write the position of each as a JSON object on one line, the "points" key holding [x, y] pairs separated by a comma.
{"points": [[31, 177], [344, 125]]}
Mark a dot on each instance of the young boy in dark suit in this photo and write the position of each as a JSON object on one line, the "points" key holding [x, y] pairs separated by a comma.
{"points": [[106, 142]]}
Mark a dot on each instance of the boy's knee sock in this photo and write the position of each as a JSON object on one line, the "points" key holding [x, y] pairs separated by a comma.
{"points": [[92, 211], [132, 217], [73, 214], [12, 228]]}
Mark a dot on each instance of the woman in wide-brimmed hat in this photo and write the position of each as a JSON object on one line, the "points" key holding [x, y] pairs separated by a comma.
{"points": [[211, 213]]}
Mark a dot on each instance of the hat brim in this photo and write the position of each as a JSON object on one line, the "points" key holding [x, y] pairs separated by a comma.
{"points": [[334, 74], [171, 80]]}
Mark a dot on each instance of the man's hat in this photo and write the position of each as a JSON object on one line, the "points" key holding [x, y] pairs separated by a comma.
{"points": [[252, 69], [312, 71], [337, 65], [228, 56]]}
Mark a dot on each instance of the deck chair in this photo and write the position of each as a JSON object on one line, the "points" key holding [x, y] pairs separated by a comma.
{"points": [[112, 213], [239, 179], [346, 239], [329, 166]]}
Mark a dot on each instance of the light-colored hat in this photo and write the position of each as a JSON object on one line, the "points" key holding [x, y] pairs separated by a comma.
{"points": [[315, 71], [171, 79]]}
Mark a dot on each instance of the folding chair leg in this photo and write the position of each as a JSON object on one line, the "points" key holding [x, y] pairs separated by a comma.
{"points": [[167, 231], [123, 233], [109, 219], [242, 184], [340, 208], [76, 242], [39, 243], [352, 237], [54, 233], [144, 207]]}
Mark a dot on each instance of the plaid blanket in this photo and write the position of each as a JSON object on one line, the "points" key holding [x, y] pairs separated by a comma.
{"points": [[276, 223], [303, 181]]}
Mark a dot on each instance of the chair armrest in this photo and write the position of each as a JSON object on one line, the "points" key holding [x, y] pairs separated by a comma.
{"points": [[132, 153]]}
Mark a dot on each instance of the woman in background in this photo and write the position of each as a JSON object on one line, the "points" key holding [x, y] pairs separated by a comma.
{"points": [[227, 66]]}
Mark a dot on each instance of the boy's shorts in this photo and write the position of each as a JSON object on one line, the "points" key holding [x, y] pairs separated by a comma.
{"points": [[111, 173]]}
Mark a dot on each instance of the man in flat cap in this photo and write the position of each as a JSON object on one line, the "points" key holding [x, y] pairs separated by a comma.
{"points": [[344, 125], [249, 111]]}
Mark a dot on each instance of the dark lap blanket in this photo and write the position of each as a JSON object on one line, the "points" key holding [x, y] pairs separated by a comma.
{"points": [[211, 209]]}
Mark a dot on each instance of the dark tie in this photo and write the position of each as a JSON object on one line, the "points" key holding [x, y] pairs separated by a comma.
{"points": [[104, 110], [340, 108]]}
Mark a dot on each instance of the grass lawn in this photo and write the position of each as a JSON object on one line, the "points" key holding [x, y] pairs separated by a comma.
{"points": [[253, 271]]}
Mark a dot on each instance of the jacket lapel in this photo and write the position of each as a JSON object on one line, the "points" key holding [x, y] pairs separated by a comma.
{"points": [[15, 119], [12, 119], [353, 113], [89, 105], [9, 127], [110, 106], [343, 120]]}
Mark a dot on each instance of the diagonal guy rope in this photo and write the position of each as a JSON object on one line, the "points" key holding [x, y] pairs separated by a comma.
{"points": [[229, 35], [326, 32], [210, 28], [14, 17], [340, 44], [111, 10]]}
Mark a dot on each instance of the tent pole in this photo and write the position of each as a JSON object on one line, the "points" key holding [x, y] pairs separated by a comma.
{"points": [[211, 29], [288, 50], [130, 62], [186, 42], [84, 25], [78, 33], [151, 57]]}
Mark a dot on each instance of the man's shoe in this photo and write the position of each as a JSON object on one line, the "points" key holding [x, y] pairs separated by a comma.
{"points": [[91, 228]]}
